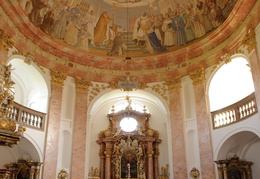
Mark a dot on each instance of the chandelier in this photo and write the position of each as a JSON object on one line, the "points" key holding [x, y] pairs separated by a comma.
{"points": [[8, 133]]}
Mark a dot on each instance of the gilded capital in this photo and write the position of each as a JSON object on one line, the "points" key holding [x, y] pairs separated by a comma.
{"points": [[82, 85], [249, 40], [57, 78], [175, 83], [6, 41], [198, 77]]}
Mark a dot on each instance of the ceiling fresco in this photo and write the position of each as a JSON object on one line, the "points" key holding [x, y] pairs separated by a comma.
{"points": [[127, 28]]}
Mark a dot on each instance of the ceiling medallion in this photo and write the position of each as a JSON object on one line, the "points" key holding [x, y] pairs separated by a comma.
{"points": [[128, 84]]}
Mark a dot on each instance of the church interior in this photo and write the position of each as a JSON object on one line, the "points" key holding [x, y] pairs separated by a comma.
{"points": [[129, 89]]}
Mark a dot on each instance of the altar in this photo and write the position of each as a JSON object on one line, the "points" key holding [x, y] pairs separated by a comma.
{"points": [[129, 155]]}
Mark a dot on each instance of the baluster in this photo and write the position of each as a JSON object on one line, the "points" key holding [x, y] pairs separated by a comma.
{"points": [[41, 120], [33, 120]]}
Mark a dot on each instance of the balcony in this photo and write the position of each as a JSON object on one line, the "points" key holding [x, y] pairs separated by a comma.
{"points": [[27, 117], [239, 111]]}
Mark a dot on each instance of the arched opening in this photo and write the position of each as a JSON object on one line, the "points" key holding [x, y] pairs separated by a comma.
{"points": [[231, 83], [30, 87]]}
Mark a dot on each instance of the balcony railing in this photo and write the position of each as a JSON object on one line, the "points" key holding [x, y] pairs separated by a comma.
{"points": [[27, 117], [235, 113]]}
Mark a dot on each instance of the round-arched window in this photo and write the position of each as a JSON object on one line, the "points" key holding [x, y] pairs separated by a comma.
{"points": [[128, 124]]}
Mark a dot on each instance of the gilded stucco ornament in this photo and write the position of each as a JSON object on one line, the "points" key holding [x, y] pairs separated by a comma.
{"points": [[57, 78], [6, 42], [194, 173], [175, 83], [82, 85], [62, 174], [161, 89], [198, 77], [128, 84], [249, 40]]}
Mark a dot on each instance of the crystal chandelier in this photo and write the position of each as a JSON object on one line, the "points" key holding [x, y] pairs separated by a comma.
{"points": [[8, 133]]}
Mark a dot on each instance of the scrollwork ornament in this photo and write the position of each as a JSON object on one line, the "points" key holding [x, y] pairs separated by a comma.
{"points": [[249, 40], [6, 42], [198, 77], [57, 78]]}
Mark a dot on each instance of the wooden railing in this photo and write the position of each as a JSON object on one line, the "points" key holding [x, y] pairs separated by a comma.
{"points": [[27, 117], [235, 113]]}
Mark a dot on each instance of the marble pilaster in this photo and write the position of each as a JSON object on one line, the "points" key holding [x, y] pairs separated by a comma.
{"points": [[203, 124], [177, 129], [78, 162], [53, 126], [150, 153]]}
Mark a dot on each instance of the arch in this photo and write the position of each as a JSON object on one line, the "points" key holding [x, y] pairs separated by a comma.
{"points": [[228, 137], [225, 81], [33, 89]]}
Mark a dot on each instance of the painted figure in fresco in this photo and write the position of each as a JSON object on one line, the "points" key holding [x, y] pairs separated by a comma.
{"points": [[60, 24], [48, 22], [141, 26], [169, 34], [102, 29], [178, 26], [73, 27], [82, 38], [118, 46], [35, 15], [90, 21]]}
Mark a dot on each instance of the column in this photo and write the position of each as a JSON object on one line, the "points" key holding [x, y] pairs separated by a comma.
{"points": [[102, 160], [177, 128], [6, 43], [155, 159], [53, 126], [78, 162], [203, 124], [150, 159], [108, 154]]}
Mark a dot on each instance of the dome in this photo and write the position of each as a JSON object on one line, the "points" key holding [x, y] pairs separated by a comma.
{"points": [[106, 40]]}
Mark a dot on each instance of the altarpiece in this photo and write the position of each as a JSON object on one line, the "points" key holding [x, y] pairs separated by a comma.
{"points": [[125, 155]]}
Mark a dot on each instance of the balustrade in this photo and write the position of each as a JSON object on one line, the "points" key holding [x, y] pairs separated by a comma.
{"points": [[234, 113], [27, 117]]}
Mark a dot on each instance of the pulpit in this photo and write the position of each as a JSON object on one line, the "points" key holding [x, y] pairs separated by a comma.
{"points": [[126, 154]]}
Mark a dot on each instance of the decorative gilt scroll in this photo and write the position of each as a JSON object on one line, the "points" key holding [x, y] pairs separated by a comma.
{"points": [[198, 77], [175, 83], [6, 42], [249, 40], [57, 78], [82, 85], [128, 84], [195, 173]]}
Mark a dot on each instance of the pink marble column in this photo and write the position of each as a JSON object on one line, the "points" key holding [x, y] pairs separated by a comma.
{"points": [[53, 126], [177, 129], [203, 124], [255, 69], [78, 162]]}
